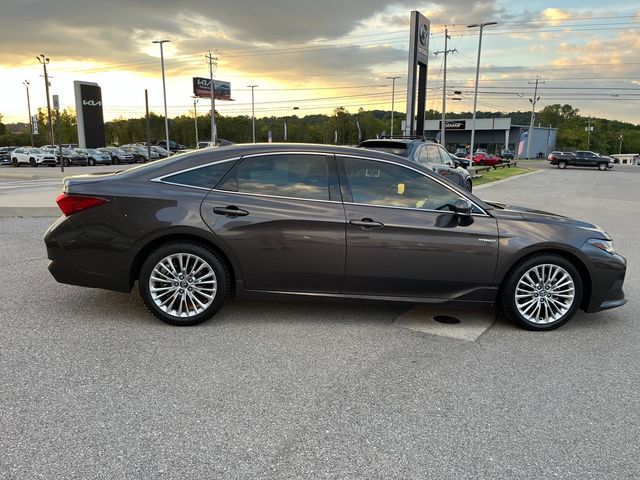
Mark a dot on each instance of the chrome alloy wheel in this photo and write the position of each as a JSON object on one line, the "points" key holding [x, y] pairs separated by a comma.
{"points": [[183, 285], [545, 293]]}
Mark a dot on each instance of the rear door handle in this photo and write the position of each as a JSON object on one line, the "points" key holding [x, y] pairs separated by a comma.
{"points": [[230, 211], [366, 223]]}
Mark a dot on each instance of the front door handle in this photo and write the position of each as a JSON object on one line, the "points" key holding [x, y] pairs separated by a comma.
{"points": [[366, 223], [230, 211]]}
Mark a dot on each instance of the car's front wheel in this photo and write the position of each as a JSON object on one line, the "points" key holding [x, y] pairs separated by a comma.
{"points": [[184, 283], [562, 164], [542, 292], [602, 166]]}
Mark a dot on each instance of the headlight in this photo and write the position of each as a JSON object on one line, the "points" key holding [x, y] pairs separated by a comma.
{"points": [[606, 245]]}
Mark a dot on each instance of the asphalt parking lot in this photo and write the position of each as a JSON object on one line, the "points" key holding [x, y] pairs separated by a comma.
{"points": [[94, 387]]}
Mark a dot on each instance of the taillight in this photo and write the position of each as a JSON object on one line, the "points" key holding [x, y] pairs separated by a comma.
{"points": [[70, 204], [552, 158]]}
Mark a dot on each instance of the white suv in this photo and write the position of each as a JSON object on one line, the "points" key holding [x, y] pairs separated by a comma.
{"points": [[32, 156]]}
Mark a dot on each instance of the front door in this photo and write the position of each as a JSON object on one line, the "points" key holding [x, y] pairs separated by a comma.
{"points": [[403, 238], [282, 218]]}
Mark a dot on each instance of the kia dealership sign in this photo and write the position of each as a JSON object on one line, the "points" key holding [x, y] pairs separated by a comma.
{"points": [[89, 112], [454, 125], [202, 88]]}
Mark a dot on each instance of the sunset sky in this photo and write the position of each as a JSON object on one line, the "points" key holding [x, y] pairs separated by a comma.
{"points": [[318, 55]]}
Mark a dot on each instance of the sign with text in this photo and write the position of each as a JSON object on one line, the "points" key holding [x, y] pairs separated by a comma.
{"points": [[202, 88], [89, 114], [454, 125]]}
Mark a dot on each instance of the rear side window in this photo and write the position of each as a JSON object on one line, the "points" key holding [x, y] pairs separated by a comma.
{"points": [[284, 175], [204, 177]]}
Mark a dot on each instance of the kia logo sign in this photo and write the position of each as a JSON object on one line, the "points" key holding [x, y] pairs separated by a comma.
{"points": [[92, 103]]}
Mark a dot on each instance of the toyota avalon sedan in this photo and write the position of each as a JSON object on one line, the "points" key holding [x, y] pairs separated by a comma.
{"points": [[273, 221]]}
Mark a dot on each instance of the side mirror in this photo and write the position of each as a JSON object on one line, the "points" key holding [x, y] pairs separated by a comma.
{"points": [[456, 163], [463, 207]]}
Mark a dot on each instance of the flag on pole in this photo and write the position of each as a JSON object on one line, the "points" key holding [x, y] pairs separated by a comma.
{"points": [[269, 137], [523, 137]]}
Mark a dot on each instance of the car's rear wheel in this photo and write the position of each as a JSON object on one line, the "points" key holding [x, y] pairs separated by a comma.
{"points": [[468, 186], [542, 292], [14, 162], [562, 164], [184, 283], [33, 162], [602, 166]]}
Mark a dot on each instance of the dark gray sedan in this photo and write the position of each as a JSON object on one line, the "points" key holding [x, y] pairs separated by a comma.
{"points": [[315, 221]]}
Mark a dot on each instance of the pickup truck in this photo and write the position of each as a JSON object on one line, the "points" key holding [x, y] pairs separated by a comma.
{"points": [[581, 158]]}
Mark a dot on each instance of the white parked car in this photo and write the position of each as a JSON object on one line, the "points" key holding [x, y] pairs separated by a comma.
{"points": [[32, 156]]}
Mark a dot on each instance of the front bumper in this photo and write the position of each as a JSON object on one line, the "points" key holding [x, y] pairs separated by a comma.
{"points": [[607, 272]]}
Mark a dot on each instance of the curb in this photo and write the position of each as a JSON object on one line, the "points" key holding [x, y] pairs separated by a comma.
{"points": [[30, 212], [504, 180]]}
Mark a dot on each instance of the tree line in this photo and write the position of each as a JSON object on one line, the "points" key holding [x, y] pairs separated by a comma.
{"points": [[341, 127]]}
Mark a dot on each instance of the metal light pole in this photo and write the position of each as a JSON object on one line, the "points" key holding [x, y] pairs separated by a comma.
{"points": [[393, 98], [44, 61], [195, 117], [475, 93], [253, 112], [164, 91], [621, 137], [26, 84], [533, 101]]}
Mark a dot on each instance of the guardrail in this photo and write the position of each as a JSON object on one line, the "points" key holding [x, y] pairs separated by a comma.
{"points": [[486, 168]]}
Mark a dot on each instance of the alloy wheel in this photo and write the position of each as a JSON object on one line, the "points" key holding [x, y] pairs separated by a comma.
{"points": [[183, 285], [545, 293]]}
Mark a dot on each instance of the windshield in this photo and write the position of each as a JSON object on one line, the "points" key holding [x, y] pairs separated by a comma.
{"points": [[68, 151], [93, 151]]}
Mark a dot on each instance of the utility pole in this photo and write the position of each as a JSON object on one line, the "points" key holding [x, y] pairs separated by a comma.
{"points": [[195, 116], [393, 99], [444, 83], [533, 113], [253, 112], [44, 61], [213, 64], [148, 125], [26, 84], [475, 93], [589, 129], [164, 92]]}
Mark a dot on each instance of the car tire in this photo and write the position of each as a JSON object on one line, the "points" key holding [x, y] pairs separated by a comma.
{"points": [[32, 162], [65, 162], [482, 163], [14, 162], [562, 164], [603, 166], [172, 301], [468, 186], [91, 162], [533, 297]]}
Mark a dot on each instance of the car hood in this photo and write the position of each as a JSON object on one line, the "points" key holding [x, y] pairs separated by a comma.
{"points": [[531, 214]]}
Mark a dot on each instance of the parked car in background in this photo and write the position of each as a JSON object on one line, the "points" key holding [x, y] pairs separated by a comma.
{"points": [[5, 155], [95, 156], [581, 158], [162, 152], [173, 146], [430, 154], [205, 145], [144, 153], [486, 159], [506, 154], [118, 155], [289, 221], [461, 152], [32, 156]]}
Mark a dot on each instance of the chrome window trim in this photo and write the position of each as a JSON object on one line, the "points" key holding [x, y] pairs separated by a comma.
{"points": [[274, 196], [437, 180]]}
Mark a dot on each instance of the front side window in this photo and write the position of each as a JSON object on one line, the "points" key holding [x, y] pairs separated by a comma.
{"points": [[283, 175], [391, 185]]}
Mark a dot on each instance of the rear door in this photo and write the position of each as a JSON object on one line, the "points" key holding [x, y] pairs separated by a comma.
{"points": [[281, 216]]}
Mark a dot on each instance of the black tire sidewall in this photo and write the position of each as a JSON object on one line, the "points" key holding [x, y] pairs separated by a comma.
{"points": [[602, 167], [562, 165], [507, 299], [219, 267]]}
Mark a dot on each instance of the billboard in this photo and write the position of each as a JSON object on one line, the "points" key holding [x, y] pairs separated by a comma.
{"points": [[202, 88], [417, 80], [89, 112]]}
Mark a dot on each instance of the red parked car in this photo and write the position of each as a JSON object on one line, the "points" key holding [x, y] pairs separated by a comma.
{"points": [[485, 159]]}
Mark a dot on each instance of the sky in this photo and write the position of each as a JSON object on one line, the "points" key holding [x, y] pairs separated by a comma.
{"points": [[311, 56]]}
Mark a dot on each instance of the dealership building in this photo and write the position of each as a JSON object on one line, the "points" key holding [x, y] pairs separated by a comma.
{"points": [[494, 134]]}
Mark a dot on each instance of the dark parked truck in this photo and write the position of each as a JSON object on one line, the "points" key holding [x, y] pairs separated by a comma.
{"points": [[582, 158]]}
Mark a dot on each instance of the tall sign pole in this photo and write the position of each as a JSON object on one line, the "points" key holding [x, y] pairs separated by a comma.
{"points": [[214, 130], [164, 93], [418, 58], [44, 61], [195, 117]]}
